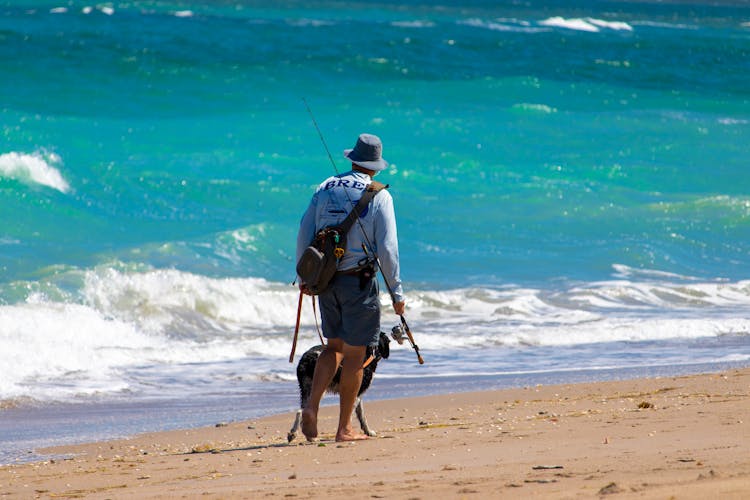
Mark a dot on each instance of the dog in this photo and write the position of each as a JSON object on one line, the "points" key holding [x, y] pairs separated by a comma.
{"points": [[306, 369]]}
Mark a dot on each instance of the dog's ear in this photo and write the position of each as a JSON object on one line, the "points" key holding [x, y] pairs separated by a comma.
{"points": [[383, 346]]}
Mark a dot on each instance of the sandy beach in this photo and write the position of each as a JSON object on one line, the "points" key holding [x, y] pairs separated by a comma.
{"points": [[675, 437]]}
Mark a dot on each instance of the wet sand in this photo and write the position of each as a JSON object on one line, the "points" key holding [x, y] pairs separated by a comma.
{"points": [[684, 437]]}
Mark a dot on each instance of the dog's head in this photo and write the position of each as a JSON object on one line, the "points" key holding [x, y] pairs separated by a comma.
{"points": [[384, 348]]}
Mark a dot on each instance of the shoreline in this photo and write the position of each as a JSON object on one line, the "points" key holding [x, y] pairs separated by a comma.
{"points": [[686, 436], [25, 428]]}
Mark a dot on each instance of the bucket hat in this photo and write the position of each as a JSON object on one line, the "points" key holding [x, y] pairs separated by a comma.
{"points": [[367, 153]]}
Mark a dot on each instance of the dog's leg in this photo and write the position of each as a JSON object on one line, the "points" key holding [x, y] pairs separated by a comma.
{"points": [[360, 411], [293, 431]]}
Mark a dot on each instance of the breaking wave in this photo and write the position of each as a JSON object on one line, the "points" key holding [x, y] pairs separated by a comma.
{"points": [[123, 319], [585, 24], [34, 168]]}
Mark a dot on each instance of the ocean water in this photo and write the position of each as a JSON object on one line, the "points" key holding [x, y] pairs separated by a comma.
{"points": [[570, 179]]}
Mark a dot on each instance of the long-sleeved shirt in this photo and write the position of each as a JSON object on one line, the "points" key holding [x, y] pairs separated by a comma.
{"points": [[332, 201]]}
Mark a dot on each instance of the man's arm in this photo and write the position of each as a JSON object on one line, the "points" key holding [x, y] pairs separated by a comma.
{"points": [[386, 241], [306, 233]]}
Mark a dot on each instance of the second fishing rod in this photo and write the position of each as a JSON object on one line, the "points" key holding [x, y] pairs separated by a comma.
{"points": [[367, 246]]}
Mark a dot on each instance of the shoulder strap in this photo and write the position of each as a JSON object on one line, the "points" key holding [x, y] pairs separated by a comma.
{"points": [[370, 191]]}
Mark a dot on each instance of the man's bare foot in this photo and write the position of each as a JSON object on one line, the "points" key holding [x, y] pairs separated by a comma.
{"points": [[350, 436], [309, 424]]}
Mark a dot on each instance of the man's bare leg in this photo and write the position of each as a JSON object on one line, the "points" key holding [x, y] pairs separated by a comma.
{"points": [[325, 369], [351, 380]]}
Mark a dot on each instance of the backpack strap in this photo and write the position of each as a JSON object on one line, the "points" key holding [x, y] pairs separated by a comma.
{"points": [[370, 191]]}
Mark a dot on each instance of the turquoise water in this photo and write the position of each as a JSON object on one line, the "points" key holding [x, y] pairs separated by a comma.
{"points": [[570, 181], [540, 152]]}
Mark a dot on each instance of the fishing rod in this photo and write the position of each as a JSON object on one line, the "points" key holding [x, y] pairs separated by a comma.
{"points": [[411, 339], [366, 238], [393, 299]]}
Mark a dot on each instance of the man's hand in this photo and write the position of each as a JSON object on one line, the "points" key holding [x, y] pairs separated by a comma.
{"points": [[399, 307], [303, 288]]}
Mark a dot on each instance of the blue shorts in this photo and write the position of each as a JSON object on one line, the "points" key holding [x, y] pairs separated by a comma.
{"points": [[351, 314]]}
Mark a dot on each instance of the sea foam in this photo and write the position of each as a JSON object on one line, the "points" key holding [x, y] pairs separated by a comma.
{"points": [[33, 168], [178, 303], [586, 24], [508, 25], [57, 350], [132, 330], [184, 305], [413, 24]]}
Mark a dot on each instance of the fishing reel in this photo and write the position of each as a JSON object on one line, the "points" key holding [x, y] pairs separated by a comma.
{"points": [[398, 334]]}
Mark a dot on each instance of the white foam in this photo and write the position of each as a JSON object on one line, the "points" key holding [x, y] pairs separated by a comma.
{"points": [[587, 24], [157, 323], [507, 25], [58, 10], [56, 350], [413, 24], [733, 121], [162, 301], [184, 13], [305, 22], [171, 302], [605, 330], [571, 24], [106, 9], [612, 25], [54, 344], [624, 295], [33, 168], [540, 108], [623, 271], [658, 24]]}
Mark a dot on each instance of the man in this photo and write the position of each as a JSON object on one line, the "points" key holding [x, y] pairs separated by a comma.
{"points": [[350, 306]]}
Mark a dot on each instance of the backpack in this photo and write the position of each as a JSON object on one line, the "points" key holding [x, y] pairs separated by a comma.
{"points": [[318, 263]]}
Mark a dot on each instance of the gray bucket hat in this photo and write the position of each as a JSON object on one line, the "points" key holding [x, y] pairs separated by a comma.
{"points": [[367, 153]]}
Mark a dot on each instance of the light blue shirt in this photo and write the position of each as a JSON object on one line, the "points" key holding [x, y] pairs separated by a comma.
{"points": [[331, 203]]}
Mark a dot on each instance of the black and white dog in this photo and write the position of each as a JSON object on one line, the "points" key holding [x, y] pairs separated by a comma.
{"points": [[306, 369]]}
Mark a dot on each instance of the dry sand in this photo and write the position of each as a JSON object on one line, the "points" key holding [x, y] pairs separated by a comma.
{"points": [[682, 437]]}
